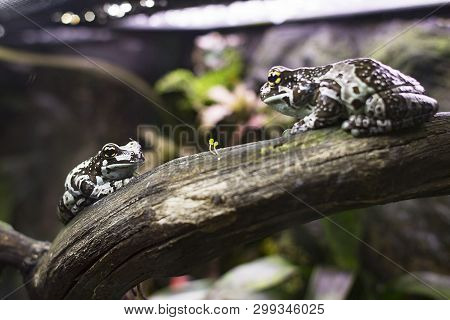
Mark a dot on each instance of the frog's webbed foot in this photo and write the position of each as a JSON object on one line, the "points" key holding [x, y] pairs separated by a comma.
{"points": [[361, 125], [298, 127], [286, 133]]}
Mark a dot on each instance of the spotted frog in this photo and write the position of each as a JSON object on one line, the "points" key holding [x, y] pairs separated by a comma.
{"points": [[110, 169], [365, 96]]}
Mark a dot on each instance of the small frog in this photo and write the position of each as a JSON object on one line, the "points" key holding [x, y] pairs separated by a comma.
{"points": [[110, 169], [364, 95]]}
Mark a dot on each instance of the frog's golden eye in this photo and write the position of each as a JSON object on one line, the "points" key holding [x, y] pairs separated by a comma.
{"points": [[109, 150], [274, 77]]}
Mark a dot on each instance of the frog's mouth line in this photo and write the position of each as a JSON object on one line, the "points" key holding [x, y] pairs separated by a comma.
{"points": [[278, 97], [125, 165]]}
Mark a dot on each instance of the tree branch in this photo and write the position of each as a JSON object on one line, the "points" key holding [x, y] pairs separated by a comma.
{"points": [[19, 251], [192, 209]]}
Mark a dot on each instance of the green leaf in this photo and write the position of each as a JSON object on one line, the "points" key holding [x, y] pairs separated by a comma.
{"points": [[256, 276], [342, 232], [176, 80], [329, 283], [428, 284]]}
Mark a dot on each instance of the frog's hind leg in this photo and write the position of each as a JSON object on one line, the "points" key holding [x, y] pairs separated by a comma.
{"points": [[407, 109], [65, 207], [391, 111]]}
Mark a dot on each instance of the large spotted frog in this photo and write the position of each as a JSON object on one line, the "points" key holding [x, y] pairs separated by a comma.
{"points": [[110, 169], [364, 95]]}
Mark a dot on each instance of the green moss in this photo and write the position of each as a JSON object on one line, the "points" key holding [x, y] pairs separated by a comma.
{"points": [[309, 139]]}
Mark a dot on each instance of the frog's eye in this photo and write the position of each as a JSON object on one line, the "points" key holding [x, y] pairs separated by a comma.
{"points": [[109, 150], [274, 77]]}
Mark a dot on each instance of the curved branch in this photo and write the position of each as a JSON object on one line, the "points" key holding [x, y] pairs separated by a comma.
{"points": [[192, 209], [19, 251]]}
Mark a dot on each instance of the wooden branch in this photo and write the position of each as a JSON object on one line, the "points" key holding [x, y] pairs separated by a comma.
{"points": [[192, 209], [19, 251]]}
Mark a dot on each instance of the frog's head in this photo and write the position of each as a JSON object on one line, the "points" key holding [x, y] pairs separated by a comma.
{"points": [[287, 90], [119, 162]]}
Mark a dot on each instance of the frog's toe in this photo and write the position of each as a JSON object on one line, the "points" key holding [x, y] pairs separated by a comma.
{"points": [[298, 128], [286, 133], [346, 125], [358, 132]]}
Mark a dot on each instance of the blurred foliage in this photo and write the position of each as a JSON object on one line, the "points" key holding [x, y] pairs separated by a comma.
{"points": [[263, 278], [6, 200], [329, 283], [253, 277], [192, 290], [185, 91], [426, 284], [241, 103], [342, 233]]}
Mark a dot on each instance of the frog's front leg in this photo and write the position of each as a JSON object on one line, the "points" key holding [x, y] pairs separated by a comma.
{"points": [[328, 111], [96, 187], [99, 191]]}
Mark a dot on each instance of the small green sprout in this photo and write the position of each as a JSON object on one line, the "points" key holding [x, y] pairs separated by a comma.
{"points": [[212, 146]]}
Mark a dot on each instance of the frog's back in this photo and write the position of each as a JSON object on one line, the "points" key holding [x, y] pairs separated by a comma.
{"points": [[380, 77], [381, 99]]}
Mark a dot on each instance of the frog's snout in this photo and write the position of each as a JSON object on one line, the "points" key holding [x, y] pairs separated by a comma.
{"points": [[265, 90], [270, 95], [138, 157]]}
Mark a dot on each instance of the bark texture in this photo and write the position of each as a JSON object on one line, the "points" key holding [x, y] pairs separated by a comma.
{"points": [[192, 209], [19, 251]]}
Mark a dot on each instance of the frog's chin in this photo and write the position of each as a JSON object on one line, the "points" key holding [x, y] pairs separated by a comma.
{"points": [[276, 98], [121, 170], [278, 102]]}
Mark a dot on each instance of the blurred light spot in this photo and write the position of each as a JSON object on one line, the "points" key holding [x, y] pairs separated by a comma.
{"points": [[253, 12], [116, 10], [66, 18], [126, 7], [2, 31], [113, 10], [75, 19], [147, 3], [89, 16]]}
